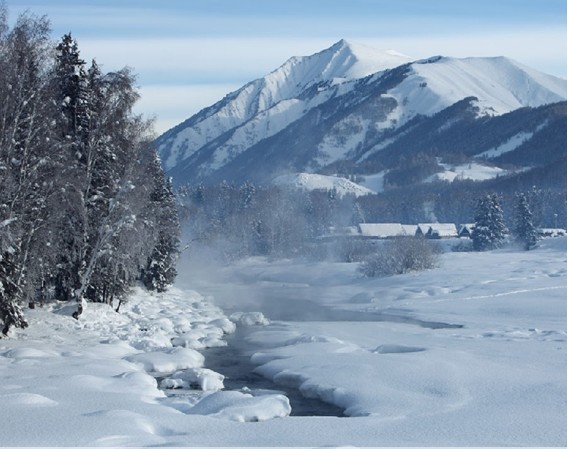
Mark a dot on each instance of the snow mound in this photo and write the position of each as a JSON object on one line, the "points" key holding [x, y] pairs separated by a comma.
{"points": [[26, 400], [242, 407], [311, 181], [199, 338], [27, 353], [168, 360], [249, 319], [307, 338], [205, 379]]}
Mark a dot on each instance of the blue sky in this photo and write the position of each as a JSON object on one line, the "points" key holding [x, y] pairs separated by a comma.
{"points": [[190, 53]]}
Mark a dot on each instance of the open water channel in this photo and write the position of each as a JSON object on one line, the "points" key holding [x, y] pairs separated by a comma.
{"points": [[234, 360]]}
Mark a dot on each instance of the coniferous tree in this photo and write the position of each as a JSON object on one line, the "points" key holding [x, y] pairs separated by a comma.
{"points": [[525, 230], [490, 230], [70, 81], [160, 270]]}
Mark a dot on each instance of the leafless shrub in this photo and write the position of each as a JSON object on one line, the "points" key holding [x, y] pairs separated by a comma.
{"points": [[401, 255]]}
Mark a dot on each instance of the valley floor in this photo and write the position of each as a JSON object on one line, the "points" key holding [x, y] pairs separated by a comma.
{"points": [[472, 353]]}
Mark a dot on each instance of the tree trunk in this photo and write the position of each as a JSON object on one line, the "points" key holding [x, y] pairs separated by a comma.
{"points": [[80, 308]]}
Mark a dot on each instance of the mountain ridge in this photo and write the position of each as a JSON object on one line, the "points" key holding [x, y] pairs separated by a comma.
{"points": [[315, 111]]}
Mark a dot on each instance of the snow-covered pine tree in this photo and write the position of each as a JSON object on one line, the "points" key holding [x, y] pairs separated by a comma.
{"points": [[160, 270], [490, 230], [525, 231], [247, 195], [71, 78], [357, 214], [70, 81], [102, 139]]}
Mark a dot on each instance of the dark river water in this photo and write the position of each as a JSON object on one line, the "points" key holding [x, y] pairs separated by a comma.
{"points": [[233, 361]]}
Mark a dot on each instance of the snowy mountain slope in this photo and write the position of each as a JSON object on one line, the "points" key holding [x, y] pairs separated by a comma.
{"points": [[342, 61], [500, 85], [327, 109], [311, 181]]}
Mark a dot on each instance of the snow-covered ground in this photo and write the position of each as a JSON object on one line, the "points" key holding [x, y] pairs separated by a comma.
{"points": [[474, 171], [471, 353]]}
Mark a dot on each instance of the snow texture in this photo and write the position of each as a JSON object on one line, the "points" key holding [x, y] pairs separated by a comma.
{"points": [[311, 181], [272, 102], [472, 353], [473, 170]]}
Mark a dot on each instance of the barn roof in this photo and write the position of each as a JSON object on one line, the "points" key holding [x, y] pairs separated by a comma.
{"points": [[382, 230], [443, 229]]}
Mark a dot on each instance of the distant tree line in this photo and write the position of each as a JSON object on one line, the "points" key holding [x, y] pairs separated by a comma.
{"points": [[85, 209], [250, 220]]}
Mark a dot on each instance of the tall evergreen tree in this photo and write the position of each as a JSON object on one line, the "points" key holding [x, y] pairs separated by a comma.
{"points": [[70, 81], [160, 270], [525, 230], [490, 230]]}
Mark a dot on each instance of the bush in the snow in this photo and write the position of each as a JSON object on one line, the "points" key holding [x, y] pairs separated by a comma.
{"points": [[401, 255]]}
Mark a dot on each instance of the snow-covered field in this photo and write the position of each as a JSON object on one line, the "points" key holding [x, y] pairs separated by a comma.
{"points": [[470, 354]]}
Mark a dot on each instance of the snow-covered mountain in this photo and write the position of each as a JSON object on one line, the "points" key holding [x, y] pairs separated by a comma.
{"points": [[347, 106], [267, 105]]}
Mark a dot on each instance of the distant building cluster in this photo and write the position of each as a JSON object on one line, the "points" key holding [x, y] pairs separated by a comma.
{"points": [[434, 231]]}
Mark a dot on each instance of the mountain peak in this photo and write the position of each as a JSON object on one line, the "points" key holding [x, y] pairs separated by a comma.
{"points": [[344, 60], [353, 60]]}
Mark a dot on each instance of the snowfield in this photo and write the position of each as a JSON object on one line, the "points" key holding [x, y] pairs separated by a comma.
{"points": [[311, 181], [472, 353]]}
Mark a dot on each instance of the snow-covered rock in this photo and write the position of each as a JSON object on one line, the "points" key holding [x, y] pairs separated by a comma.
{"points": [[249, 319], [168, 360], [204, 378], [242, 407]]}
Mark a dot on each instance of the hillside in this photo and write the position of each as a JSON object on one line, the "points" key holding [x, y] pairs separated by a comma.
{"points": [[353, 110]]}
